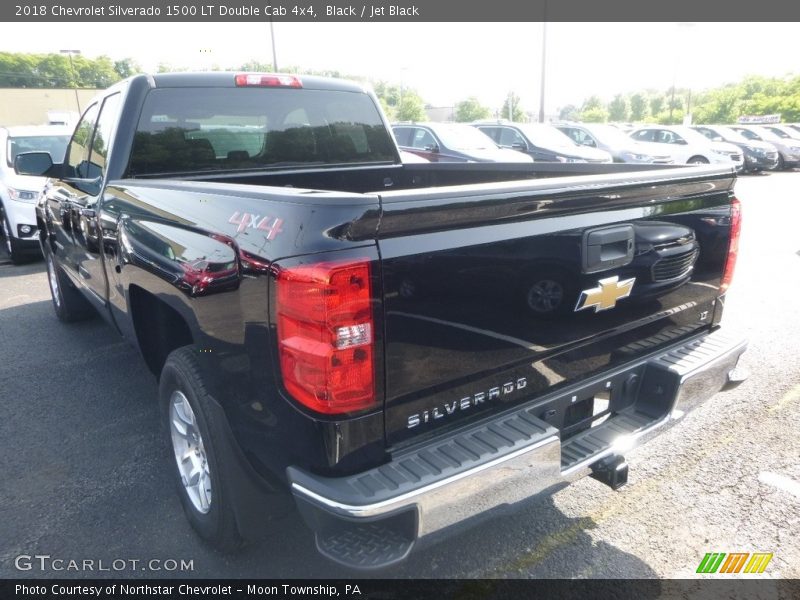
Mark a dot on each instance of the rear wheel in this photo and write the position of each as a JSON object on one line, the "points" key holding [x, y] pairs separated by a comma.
{"points": [[200, 450], [68, 303]]}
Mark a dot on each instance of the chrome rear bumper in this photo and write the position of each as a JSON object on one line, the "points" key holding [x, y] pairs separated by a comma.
{"points": [[373, 519]]}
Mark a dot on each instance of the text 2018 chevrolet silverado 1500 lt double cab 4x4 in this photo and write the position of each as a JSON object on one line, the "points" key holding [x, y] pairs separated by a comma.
{"points": [[259, 239]]}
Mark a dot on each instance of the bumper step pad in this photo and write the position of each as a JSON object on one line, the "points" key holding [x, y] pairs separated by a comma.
{"points": [[365, 546]]}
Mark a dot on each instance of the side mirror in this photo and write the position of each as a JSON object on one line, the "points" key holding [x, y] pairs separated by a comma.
{"points": [[33, 163], [588, 142], [432, 148], [718, 138], [519, 146]]}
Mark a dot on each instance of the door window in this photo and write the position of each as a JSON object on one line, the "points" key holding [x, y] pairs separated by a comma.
{"points": [[422, 138], [103, 136], [509, 137], [77, 158]]}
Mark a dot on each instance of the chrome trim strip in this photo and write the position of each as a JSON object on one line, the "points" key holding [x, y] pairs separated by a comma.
{"points": [[386, 506]]}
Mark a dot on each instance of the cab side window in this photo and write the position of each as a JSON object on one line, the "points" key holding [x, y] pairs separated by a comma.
{"points": [[645, 135], [77, 159], [103, 135]]}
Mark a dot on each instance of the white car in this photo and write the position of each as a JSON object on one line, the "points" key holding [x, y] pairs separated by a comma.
{"points": [[19, 193], [686, 146]]}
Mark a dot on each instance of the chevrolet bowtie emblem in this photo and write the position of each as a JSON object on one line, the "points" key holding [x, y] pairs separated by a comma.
{"points": [[605, 296]]}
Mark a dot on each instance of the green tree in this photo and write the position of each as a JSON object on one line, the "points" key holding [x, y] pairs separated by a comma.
{"points": [[126, 67], [618, 109], [570, 112], [256, 66], [594, 115], [657, 104], [639, 107], [471, 110], [593, 110], [517, 114], [411, 107]]}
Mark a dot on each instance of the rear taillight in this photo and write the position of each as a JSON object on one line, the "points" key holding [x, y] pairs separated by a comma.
{"points": [[733, 245], [326, 335]]}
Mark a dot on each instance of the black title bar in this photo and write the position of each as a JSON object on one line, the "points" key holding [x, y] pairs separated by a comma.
{"points": [[388, 589], [398, 11]]}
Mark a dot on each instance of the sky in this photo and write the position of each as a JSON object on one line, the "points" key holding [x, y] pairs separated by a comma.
{"points": [[448, 62]]}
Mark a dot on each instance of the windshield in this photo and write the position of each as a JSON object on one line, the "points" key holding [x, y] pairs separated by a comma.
{"points": [[730, 135], [610, 135], [779, 132], [464, 137], [547, 136], [766, 135], [186, 130], [56, 145], [691, 136]]}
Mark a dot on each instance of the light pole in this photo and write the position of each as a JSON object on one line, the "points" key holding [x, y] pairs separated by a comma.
{"points": [[544, 65], [274, 54], [679, 55], [70, 53]]}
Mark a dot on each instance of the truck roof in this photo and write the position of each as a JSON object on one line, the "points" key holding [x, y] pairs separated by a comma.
{"points": [[226, 79]]}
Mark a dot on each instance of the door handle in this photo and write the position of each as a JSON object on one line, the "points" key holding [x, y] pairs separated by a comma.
{"points": [[607, 248]]}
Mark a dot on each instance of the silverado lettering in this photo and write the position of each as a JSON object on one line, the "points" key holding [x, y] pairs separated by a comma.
{"points": [[466, 402], [299, 356]]}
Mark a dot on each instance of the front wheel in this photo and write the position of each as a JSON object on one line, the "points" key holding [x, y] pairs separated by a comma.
{"points": [[200, 450], [10, 243], [697, 160]]}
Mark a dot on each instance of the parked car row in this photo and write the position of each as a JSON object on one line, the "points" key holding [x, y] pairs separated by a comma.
{"points": [[748, 148]]}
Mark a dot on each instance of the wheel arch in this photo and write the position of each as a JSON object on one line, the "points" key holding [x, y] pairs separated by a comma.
{"points": [[158, 327]]}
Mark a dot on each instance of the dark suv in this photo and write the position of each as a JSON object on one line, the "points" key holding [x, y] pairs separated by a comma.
{"points": [[758, 155]]}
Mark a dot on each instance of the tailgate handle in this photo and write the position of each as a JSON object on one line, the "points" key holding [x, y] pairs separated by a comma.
{"points": [[607, 248]]}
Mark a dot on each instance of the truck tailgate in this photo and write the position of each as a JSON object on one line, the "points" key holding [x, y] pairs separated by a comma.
{"points": [[498, 294]]}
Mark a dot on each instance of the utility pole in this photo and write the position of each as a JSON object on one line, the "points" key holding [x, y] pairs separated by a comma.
{"points": [[274, 54], [544, 65], [69, 53]]}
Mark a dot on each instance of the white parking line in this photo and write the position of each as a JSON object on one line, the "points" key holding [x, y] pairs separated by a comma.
{"points": [[781, 482]]}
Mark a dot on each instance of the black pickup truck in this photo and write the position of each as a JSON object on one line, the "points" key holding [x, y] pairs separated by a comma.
{"points": [[393, 349]]}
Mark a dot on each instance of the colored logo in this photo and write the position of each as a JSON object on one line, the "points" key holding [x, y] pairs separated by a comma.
{"points": [[605, 296], [735, 562]]}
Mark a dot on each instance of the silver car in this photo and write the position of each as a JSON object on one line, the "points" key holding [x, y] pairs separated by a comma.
{"points": [[614, 141]]}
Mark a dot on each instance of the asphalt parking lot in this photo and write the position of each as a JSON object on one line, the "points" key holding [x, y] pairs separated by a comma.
{"points": [[85, 474]]}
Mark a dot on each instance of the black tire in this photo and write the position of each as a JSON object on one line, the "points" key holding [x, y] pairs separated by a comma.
{"points": [[781, 163], [182, 376], [10, 243], [68, 303], [697, 160]]}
